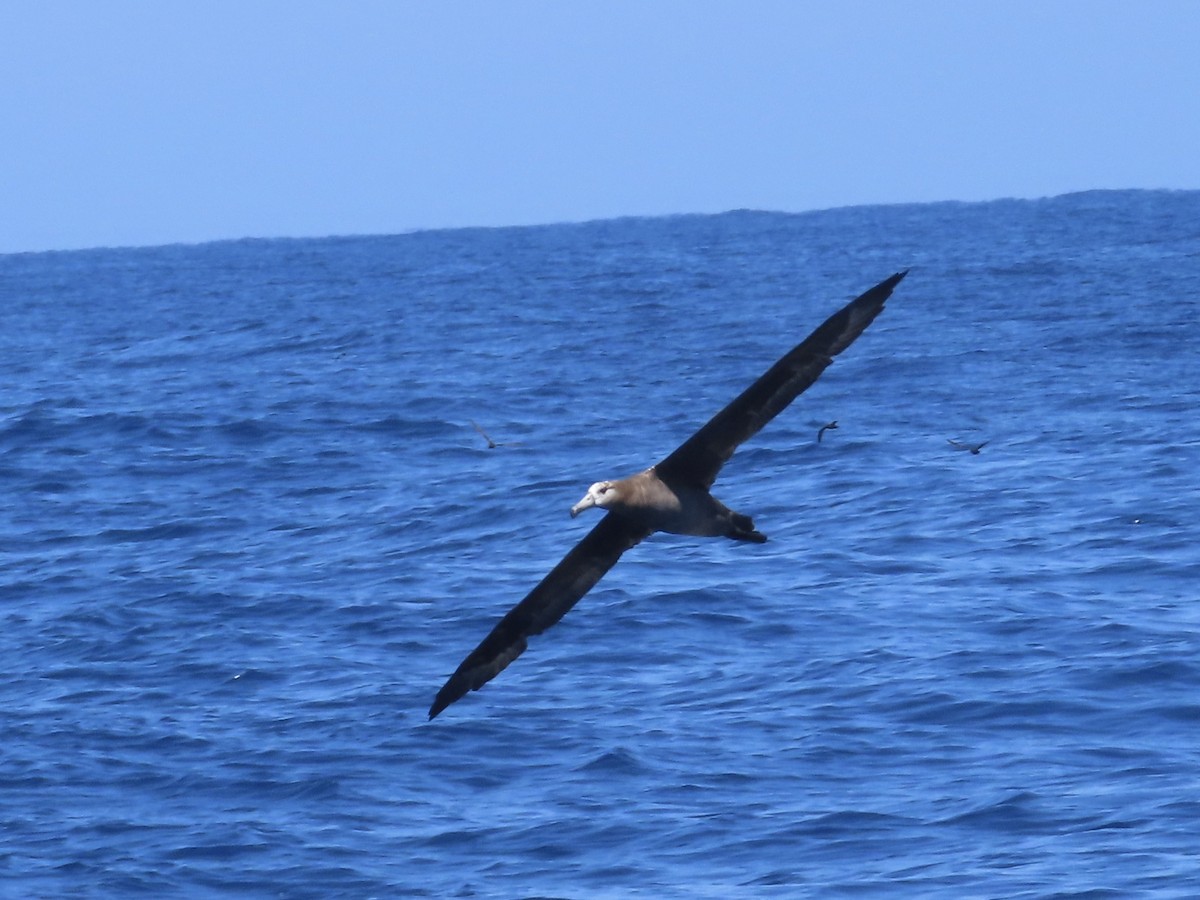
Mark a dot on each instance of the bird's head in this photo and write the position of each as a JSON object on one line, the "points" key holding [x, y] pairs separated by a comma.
{"points": [[602, 494]]}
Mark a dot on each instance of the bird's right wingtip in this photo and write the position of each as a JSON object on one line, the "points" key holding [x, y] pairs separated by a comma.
{"points": [[885, 287], [879, 294]]}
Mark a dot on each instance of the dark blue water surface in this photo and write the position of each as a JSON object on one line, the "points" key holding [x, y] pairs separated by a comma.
{"points": [[249, 529]]}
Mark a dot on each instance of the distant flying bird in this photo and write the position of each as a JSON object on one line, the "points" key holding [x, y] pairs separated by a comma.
{"points": [[974, 448], [492, 445], [832, 426], [672, 496]]}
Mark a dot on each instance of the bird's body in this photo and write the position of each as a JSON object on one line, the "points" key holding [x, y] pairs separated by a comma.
{"points": [[680, 508], [673, 496]]}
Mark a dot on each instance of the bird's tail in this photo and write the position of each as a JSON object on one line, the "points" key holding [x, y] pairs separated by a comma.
{"points": [[741, 528]]}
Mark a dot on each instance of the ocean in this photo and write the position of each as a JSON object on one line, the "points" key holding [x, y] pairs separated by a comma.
{"points": [[251, 527]]}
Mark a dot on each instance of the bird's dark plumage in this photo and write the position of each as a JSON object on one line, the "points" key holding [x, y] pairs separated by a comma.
{"points": [[702, 455], [672, 496], [543, 606]]}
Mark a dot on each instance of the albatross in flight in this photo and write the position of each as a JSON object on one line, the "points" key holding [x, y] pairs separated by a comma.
{"points": [[672, 496]]}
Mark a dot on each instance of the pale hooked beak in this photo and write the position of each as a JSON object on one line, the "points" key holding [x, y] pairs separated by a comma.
{"points": [[587, 502]]}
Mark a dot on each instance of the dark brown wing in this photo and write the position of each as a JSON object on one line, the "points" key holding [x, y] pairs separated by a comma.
{"points": [[700, 457], [545, 604]]}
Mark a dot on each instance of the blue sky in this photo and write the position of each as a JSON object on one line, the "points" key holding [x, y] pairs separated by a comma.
{"points": [[131, 122]]}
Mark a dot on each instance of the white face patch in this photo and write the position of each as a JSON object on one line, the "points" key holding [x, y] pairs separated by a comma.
{"points": [[593, 497], [600, 494]]}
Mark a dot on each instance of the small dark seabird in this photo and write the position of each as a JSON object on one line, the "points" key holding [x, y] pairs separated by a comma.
{"points": [[974, 448], [672, 496], [832, 426], [492, 445], [483, 434]]}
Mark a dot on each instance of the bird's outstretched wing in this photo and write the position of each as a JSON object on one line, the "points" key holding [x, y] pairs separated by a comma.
{"points": [[543, 606], [700, 457]]}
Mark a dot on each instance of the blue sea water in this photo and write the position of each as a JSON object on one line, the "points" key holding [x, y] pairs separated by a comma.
{"points": [[249, 529]]}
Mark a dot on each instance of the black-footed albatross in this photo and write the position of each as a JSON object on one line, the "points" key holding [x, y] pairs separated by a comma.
{"points": [[672, 496]]}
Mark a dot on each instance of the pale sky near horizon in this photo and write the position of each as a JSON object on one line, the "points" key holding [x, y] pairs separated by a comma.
{"points": [[134, 122]]}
